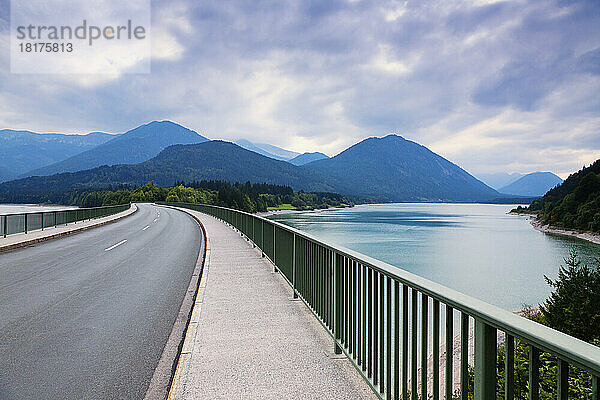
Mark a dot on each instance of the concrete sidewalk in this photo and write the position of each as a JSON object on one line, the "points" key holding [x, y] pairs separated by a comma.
{"points": [[26, 239], [247, 338]]}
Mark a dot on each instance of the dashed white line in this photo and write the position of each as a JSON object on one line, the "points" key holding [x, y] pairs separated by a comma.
{"points": [[118, 244], [146, 227], [155, 219]]}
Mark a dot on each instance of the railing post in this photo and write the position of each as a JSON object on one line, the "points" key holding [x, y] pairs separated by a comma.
{"points": [[262, 238], [294, 268], [595, 387], [42, 220], [274, 251], [5, 225], [337, 319], [25, 223], [485, 361]]}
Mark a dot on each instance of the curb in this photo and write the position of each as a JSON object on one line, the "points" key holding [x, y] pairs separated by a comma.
{"points": [[155, 391], [61, 234]]}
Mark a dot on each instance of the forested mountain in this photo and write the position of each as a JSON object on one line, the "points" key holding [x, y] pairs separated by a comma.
{"points": [[135, 146], [575, 204], [305, 158], [22, 151], [534, 184], [376, 169], [395, 169], [214, 160]]}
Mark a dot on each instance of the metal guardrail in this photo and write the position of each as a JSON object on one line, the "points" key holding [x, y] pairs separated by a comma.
{"points": [[11, 224], [369, 307]]}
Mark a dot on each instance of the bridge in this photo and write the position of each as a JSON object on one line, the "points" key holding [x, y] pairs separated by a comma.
{"points": [[200, 301]]}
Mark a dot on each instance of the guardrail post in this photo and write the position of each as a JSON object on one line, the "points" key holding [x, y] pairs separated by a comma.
{"points": [[485, 361], [274, 251], [337, 314], [294, 268], [42, 220], [262, 238], [595, 387], [5, 225], [25, 223]]}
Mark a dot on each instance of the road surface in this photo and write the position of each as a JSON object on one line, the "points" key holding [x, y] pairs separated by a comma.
{"points": [[87, 316]]}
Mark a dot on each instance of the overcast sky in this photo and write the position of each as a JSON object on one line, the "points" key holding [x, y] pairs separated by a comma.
{"points": [[495, 86]]}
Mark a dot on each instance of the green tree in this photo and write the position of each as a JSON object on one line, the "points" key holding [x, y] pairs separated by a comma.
{"points": [[573, 305]]}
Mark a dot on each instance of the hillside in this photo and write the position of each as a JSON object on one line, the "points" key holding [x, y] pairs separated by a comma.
{"points": [[213, 160], [24, 150], [392, 169], [305, 158], [575, 204], [135, 146], [534, 184]]}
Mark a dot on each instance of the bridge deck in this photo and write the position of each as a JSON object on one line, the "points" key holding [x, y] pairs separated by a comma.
{"points": [[248, 339]]}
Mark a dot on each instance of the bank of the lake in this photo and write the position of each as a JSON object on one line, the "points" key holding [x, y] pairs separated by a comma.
{"points": [[478, 249]]}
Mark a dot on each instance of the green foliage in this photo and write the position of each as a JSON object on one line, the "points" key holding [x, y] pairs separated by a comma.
{"points": [[241, 196], [573, 304], [575, 204]]}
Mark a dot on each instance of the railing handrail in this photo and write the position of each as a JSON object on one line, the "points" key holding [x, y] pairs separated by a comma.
{"points": [[569, 348], [64, 209]]}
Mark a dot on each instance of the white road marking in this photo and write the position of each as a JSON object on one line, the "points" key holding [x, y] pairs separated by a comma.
{"points": [[118, 244], [155, 219], [146, 227]]}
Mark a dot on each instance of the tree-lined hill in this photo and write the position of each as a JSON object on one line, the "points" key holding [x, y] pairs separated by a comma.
{"points": [[575, 204]]}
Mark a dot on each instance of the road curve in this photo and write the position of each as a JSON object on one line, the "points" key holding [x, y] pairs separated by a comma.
{"points": [[87, 316]]}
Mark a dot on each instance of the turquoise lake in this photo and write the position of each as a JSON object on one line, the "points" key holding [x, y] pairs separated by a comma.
{"points": [[477, 249]]}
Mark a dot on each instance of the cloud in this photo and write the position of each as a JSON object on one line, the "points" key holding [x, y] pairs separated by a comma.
{"points": [[492, 85]]}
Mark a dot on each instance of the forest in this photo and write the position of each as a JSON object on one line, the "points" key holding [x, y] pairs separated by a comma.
{"points": [[249, 197]]}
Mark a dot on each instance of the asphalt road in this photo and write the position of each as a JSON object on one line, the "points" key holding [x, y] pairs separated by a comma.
{"points": [[87, 316]]}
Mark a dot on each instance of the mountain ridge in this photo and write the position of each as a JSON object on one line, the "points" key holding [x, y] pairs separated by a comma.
{"points": [[134, 146]]}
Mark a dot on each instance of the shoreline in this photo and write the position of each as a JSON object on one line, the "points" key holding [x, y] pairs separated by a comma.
{"points": [[587, 236]]}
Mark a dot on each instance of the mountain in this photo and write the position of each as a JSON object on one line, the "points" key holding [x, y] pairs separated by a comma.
{"points": [[268, 150], [574, 204], [499, 179], [212, 160], [305, 158], [393, 169], [534, 184], [24, 150], [137, 145], [376, 169]]}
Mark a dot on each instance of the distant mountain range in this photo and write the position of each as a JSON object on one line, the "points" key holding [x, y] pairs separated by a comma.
{"points": [[23, 151], [376, 169], [268, 150], [306, 158], [134, 146], [499, 179], [534, 184], [388, 169]]}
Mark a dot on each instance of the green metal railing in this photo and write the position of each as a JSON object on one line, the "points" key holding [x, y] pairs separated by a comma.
{"points": [[11, 224], [391, 323]]}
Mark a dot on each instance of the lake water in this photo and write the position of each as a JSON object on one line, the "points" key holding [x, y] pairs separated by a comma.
{"points": [[477, 249], [24, 208]]}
